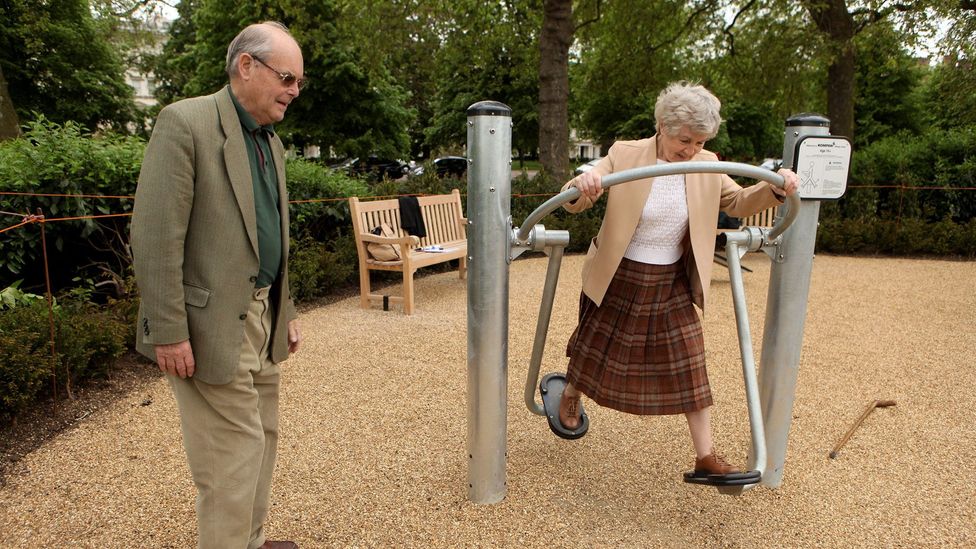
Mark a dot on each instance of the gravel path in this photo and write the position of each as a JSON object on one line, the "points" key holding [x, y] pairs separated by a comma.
{"points": [[373, 434]]}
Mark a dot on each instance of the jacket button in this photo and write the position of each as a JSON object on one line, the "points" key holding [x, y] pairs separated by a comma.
{"points": [[243, 317], [253, 279]]}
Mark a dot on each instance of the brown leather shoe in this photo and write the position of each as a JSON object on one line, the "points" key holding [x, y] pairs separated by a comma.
{"points": [[714, 464], [279, 545], [569, 411]]}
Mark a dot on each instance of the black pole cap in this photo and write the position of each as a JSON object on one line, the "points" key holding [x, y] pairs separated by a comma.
{"points": [[489, 108], [808, 119]]}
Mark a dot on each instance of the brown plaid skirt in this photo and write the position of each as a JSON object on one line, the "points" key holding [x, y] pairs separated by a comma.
{"points": [[642, 350]]}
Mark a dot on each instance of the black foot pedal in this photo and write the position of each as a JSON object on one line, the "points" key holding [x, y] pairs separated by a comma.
{"points": [[731, 479], [552, 387]]}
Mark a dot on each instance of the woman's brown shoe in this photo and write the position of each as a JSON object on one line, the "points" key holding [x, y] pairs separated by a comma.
{"points": [[569, 411], [713, 464]]}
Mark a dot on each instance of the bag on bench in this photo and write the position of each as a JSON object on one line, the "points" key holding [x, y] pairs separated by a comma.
{"points": [[384, 252]]}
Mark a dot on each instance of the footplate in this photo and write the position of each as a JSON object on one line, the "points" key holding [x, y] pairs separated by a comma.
{"points": [[552, 387], [731, 479]]}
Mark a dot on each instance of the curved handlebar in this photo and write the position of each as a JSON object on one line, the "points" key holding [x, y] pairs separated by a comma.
{"points": [[730, 168]]}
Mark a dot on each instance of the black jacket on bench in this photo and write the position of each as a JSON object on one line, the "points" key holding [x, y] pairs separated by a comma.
{"points": [[411, 220]]}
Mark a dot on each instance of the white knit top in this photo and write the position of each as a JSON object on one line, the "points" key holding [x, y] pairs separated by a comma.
{"points": [[663, 224]]}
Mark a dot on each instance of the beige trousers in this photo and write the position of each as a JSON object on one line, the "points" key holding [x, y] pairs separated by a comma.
{"points": [[230, 434]]}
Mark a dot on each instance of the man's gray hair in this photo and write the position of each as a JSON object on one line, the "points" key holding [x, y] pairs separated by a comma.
{"points": [[255, 40], [684, 104]]}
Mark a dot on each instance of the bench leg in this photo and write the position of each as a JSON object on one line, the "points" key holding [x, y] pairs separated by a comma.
{"points": [[364, 288], [407, 292], [463, 267]]}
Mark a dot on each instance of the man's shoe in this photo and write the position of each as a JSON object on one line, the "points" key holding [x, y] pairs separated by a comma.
{"points": [[279, 545], [569, 411], [713, 464]]}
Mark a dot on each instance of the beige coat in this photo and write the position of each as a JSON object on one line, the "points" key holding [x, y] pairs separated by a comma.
{"points": [[194, 237], [706, 195]]}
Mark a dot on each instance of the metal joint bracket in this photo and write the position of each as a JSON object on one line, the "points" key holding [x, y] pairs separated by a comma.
{"points": [[773, 247], [747, 239], [538, 240]]}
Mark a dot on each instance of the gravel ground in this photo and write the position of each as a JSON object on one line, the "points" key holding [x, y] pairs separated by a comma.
{"points": [[373, 434]]}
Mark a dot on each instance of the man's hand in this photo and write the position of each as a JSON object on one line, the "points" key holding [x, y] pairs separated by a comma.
{"points": [[176, 359], [294, 336]]}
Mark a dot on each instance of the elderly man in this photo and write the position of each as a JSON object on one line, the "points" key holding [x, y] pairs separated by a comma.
{"points": [[210, 249]]}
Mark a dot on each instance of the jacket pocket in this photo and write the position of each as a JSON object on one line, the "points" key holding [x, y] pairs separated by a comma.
{"points": [[195, 295]]}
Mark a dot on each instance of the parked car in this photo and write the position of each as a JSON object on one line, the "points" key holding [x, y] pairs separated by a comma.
{"points": [[583, 168], [445, 166], [374, 167]]}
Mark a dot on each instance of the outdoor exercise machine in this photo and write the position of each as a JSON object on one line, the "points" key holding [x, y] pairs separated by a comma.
{"points": [[821, 162]]}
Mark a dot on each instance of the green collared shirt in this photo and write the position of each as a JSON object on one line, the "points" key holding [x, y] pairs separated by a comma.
{"points": [[257, 140]]}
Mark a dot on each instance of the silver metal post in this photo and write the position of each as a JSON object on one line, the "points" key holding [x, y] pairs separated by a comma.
{"points": [[786, 309], [489, 227]]}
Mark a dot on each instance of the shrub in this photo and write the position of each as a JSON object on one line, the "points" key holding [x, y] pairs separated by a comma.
{"points": [[909, 236], [318, 268], [312, 181], [63, 159], [88, 340], [25, 356]]}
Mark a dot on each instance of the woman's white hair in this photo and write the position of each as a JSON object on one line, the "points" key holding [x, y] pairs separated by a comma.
{"points": [[255, 39], [684, 104]]}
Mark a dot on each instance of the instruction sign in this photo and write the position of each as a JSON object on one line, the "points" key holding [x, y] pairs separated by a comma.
{"points": [[822, 164]]}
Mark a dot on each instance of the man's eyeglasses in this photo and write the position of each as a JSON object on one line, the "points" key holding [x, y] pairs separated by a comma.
{"points": [[286, 78]]}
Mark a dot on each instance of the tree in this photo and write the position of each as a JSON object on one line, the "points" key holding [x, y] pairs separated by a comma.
{"points": [[839, 24], [402, 38], [348, 107], [554, 42], [176, 63], [887, 89], [948, 92], [764, 67], [627, 58], [834, 20], [489, 51], [9, 124], [58, 64]]}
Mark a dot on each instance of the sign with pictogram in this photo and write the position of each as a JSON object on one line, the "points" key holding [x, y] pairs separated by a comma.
{"points": [[822, 165]]}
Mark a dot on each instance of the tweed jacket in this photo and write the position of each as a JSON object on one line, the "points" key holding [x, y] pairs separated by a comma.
{"points": [[706, 195], [195, 241]]}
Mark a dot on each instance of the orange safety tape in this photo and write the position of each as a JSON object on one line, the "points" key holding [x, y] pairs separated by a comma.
{"points": [[21, 224], [910, 188], [12, 193], [48, 220]]}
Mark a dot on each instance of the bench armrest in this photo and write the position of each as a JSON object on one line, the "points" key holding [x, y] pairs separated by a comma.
{"points": [[410, 239]]}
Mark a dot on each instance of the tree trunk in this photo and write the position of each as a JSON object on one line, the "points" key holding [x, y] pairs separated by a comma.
{"points": [[840, 92], [833, 19], [9, 125], [554, 42]]}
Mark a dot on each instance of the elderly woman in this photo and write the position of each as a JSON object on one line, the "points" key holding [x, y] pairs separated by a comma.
{"points": [[638, 347]]}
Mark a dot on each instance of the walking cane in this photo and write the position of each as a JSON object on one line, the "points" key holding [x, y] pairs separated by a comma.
{"points": [[866, 413]]}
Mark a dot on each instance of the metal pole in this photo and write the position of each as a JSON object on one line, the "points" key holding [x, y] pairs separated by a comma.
{"points": [[542, 324], [786, 310], [489, 230], [757, 461]]}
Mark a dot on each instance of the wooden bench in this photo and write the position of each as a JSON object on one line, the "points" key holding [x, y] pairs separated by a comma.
{"points": [[445, 226]]}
